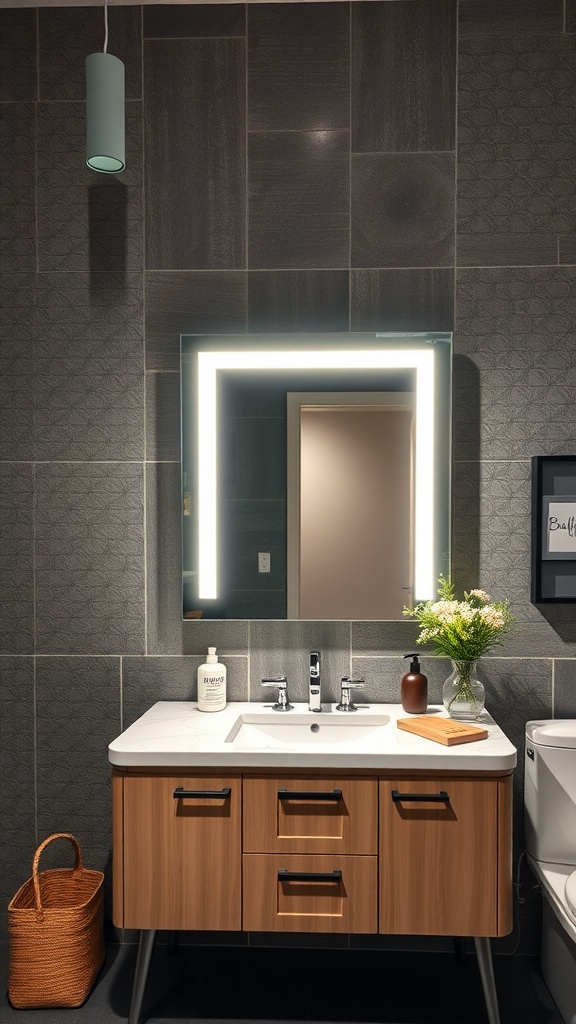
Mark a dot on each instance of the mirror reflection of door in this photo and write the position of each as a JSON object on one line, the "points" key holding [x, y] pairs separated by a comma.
{"points": [[350, 516]]}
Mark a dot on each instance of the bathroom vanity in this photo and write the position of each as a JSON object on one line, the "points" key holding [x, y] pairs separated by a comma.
{"points": [[263, 822]]}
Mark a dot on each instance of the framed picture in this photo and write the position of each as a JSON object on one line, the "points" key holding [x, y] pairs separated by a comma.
{"points": [[559, 526]]}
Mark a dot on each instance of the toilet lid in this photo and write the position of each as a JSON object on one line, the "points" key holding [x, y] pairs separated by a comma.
{"points": [[570, 893]]}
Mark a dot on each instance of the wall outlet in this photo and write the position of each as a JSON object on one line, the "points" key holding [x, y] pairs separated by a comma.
{"points": [[263, 561]]}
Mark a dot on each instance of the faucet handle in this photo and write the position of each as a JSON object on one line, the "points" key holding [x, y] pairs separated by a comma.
{"points": [[282, 704], [346, 685]]}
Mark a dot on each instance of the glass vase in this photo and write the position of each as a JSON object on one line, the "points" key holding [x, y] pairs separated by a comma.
{"points": [[463, 693]]}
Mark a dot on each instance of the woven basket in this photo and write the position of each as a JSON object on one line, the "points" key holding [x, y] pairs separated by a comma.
{"points": [[56, 935]]}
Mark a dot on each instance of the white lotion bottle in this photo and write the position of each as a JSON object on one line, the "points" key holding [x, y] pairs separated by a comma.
{"points": [[211, 684]]}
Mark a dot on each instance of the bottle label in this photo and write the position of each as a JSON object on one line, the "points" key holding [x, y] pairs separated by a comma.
{"points": [[212, 692]]}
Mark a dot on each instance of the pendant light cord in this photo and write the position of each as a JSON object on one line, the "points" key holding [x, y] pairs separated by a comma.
{"points": [[105, 26]]}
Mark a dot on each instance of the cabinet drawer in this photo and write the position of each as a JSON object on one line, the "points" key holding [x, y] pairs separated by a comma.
{"points": [[439, 857], [294, 893], [182, 852], [310, 815]]}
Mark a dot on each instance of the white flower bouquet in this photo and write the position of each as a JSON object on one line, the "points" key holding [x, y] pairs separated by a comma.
{"points": [[465, 629]]}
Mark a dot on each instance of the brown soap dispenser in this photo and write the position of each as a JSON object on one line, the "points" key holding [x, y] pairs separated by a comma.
{"points": [[414, 688]]}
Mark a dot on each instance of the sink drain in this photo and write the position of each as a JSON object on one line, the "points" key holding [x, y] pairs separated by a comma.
{"points": [[315, 727]]}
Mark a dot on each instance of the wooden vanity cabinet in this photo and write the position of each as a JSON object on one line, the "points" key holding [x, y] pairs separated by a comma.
{"points": [[446, 855], [177, 851], [311, 852]]}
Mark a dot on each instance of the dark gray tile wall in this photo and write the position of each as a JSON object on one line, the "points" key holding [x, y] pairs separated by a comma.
{"points": [[290, 168]]}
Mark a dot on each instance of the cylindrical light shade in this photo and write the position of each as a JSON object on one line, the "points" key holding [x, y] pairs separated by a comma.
{"points": [[105, 144]]}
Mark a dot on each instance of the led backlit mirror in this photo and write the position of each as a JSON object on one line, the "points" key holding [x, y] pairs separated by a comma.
{"points": [[315, 474]]}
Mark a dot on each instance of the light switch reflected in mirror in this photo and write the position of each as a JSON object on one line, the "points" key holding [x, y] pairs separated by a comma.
{"points": [[375, 483]]}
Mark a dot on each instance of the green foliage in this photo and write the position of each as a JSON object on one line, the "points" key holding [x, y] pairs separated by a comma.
{"points": [[462, 629]]}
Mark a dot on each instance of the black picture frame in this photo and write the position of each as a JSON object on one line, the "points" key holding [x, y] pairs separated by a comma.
{"points": [[553, 568]]}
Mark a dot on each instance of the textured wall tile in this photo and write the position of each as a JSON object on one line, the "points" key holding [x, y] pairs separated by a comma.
{"points": [[16, 366], [89, 315], [16, 559], [513, 327], [190, 303], [403, 210], [282, 648], [567, 249], [403, 76], [163, 417], [86, 221], [478, 17], [17, 801], [147, 680], [18, 55], [298, 73], [195, 154], [88, 410], [17, 226], [570, 15], [516, 155], [371, 639], [191, 20], [402, 300], [68, 35], [88, 386], [298, 300], [564, 688], [89, 559], [298, 200], [77, 715]]}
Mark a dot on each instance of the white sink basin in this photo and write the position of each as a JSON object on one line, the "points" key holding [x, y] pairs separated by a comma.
{"points": [[281, 730]]}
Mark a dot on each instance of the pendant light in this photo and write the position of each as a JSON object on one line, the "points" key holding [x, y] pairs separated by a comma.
{"points": [[105, 142]]}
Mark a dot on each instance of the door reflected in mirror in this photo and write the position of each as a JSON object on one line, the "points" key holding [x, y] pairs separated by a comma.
{"points": [[350, 458], [355, 524]]}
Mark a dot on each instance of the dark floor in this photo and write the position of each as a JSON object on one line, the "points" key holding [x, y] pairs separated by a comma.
{"points": [[253, 984]]}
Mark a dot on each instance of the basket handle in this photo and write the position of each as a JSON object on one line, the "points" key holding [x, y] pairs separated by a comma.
{"points": [[35, 877]]}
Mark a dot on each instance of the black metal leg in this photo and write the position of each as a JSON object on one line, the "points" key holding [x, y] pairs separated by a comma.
{"points": [[459, 949], [145, 947], [172, 943], [484, 954]]}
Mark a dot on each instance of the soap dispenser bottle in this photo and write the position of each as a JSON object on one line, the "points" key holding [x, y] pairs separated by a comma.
{"points": [[414, 688], [211, 684]]}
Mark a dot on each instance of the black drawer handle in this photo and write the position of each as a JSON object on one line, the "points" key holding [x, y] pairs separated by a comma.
{"points": [[309, 876], [284, 794], [437, 798], [215, 794]]}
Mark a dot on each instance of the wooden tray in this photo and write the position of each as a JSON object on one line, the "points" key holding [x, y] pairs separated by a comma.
{"points": [[442, 730]]}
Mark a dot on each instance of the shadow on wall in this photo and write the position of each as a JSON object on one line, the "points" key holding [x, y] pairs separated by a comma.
{"points": [[107, 229]]}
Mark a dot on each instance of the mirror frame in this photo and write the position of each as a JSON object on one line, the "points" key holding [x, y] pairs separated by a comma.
{"points": [[427, 354]]}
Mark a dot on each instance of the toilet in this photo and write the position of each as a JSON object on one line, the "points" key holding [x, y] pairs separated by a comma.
{"points": [[550, 826]]}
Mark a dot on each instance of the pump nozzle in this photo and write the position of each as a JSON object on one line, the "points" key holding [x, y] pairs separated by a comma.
{"points": [[414, 664]]}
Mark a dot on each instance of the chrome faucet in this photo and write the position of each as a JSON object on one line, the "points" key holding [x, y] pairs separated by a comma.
{"points": [[346, 702], [282, 702], [314, 700]]}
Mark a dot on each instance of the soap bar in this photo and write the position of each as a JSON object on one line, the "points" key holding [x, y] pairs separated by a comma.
{"points": [[442, 730]]}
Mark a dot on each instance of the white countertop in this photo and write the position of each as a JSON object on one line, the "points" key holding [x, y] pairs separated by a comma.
{"points": [[176, 734]]}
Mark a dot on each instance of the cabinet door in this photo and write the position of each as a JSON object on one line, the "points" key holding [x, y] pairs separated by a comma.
{"points": [[310, 814], [439, 858], [294, 893], [182, 852]]}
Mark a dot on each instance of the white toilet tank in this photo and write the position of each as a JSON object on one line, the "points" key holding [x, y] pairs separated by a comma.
{"points": [[550, 790]]}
